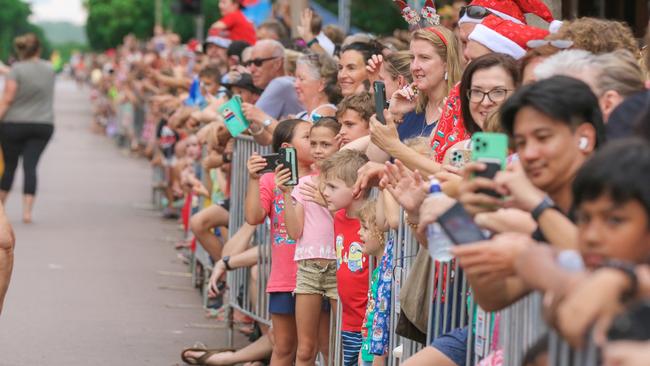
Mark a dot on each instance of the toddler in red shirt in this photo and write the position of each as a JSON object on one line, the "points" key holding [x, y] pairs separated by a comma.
{"points": [[339, 173], [233, 24]]}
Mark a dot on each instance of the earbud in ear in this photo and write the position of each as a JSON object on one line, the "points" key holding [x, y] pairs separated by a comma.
{"points": [[583, 144], [446, 75]]}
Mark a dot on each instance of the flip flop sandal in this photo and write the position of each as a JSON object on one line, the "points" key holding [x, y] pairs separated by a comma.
{"points": [[207, 353]]}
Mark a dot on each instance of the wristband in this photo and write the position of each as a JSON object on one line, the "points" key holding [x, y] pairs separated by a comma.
{"points": [[267, 123], [225, 261], [226, 158], [256, 133], [628, 269], [546, 203], [312, 42]]}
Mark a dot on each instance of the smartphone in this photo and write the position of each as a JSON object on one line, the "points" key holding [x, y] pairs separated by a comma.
{"points": [[286, 157], [290, 157], [380, 100], [490, 149], [632, 325], [272, 162], [460, 227]]}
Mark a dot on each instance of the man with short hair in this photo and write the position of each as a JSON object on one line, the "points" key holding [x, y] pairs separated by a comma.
{"points": [[279, 98]]}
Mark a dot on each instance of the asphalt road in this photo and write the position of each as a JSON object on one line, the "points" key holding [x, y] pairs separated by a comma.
{"points": [[96, 279]]}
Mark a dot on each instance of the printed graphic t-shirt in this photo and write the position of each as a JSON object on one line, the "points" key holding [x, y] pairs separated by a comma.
{"points": [[351, 271], [317, 239], [283, 248]]}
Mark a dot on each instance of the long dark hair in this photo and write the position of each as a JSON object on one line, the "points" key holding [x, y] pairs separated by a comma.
{"points": [[284, 133], [484, 62]]}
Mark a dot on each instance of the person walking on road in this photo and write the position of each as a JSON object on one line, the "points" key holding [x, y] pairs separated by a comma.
{"points": [[26, 117]]}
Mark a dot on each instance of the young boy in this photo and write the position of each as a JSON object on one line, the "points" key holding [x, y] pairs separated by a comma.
{"points": [[209, 77], [339, 174], [354, 114]]}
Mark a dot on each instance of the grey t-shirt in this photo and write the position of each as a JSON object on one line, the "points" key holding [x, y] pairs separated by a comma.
{"points": [[34, 93], [279, 99]]}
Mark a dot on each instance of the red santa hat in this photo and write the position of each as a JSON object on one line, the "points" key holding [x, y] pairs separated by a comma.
{"points": [[514, 11], [504, 36]]}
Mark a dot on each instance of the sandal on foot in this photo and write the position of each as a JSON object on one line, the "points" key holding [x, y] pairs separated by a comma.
{"points": [[207, 353]]}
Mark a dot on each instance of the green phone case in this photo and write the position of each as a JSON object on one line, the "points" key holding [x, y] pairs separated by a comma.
{"points": [[233, 116], [490, 147]]}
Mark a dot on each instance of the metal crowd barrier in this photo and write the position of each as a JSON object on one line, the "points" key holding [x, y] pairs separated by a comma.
{"points": [[239, 280]]}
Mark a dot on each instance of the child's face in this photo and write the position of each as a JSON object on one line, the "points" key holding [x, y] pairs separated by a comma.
{"points": [[337, 194], [352, 126], [322, 143], [209, 86], [371, 244], [607, 230], [193, 149], [301, 143]]}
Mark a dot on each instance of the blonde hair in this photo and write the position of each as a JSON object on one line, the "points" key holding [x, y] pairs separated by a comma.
{"points": [[449, 51], [368, 216], [290, 61], [27, 46], [421, 145], [597, 35], [399, 63], [343, 165]]}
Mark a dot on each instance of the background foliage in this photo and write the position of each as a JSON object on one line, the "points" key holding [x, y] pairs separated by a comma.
{"points": [[14, 21]]}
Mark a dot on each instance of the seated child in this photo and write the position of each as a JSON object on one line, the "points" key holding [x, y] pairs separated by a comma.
{"points": [[339, 174]]}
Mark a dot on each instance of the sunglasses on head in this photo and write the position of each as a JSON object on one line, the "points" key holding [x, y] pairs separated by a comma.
{"points": [[258, 61], [561, 44], [474, 11]]}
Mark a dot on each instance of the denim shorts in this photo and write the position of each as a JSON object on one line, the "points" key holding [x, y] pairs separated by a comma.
{"points": [[317, 277], [453, 345], [284, 303]]}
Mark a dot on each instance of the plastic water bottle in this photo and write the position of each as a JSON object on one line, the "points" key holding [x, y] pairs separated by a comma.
{"points": [[439, 243]]}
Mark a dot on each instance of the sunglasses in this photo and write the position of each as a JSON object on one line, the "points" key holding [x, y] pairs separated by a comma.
{"points": [[258, 61], [474, 11], [561, 44]]}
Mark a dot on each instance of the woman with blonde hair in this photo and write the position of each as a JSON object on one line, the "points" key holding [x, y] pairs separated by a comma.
{"points": [[26, 117]]}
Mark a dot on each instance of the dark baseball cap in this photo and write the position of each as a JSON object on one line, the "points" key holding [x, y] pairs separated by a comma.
{"points": [[236, 48], [241, 80]]}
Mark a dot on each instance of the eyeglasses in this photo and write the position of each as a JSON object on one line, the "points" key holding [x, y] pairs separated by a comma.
{"points": [[258, 61], [494, 95], [561, 44], [474, 11]]}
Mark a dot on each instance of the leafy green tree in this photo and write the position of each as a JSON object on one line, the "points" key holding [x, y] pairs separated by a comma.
{"points": [[110, 20], [14, 22], [375, 16]]}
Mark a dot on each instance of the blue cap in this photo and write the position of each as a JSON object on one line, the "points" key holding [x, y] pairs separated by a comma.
{"points": [[434, 186]]}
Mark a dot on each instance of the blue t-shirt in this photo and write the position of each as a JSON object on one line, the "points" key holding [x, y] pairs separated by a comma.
{"points": [[414, 125]]}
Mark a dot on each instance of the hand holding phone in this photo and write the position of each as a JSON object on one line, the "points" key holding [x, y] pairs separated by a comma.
{"points": [[380, 100], [459, 226], [490, 149]]}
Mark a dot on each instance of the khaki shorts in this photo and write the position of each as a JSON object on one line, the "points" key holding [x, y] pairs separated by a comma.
{"points": [[317, 277]]}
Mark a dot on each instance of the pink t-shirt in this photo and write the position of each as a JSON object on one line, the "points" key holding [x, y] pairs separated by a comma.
{"points": [[317, 239], [283, 248]]}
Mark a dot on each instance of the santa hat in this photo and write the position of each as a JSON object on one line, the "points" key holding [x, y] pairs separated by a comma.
{"points": [[504, 36], [514, 11]]}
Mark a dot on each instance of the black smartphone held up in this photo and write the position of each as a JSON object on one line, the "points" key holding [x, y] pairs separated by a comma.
{"points": [[272, 162], [380, 100], [460, 227], [290, 157]]}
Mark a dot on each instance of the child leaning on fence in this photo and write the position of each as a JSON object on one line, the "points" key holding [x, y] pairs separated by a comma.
{"points": [[264, 199], [312, 225], [339, 173]]}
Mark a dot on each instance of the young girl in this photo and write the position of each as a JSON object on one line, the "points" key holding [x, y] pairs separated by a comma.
{"points": [[375, 325], [265, 199], [312, 225]]}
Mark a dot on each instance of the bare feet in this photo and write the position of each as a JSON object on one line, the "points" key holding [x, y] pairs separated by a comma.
{"points": [[27, 218]]}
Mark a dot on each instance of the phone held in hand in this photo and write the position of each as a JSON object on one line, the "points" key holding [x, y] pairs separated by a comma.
{"points": [[380, 100], [287, 157], [490, 149], [460, 227]]}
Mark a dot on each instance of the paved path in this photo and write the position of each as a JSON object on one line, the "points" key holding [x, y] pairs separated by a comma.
{"points": [[93, 279]]}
